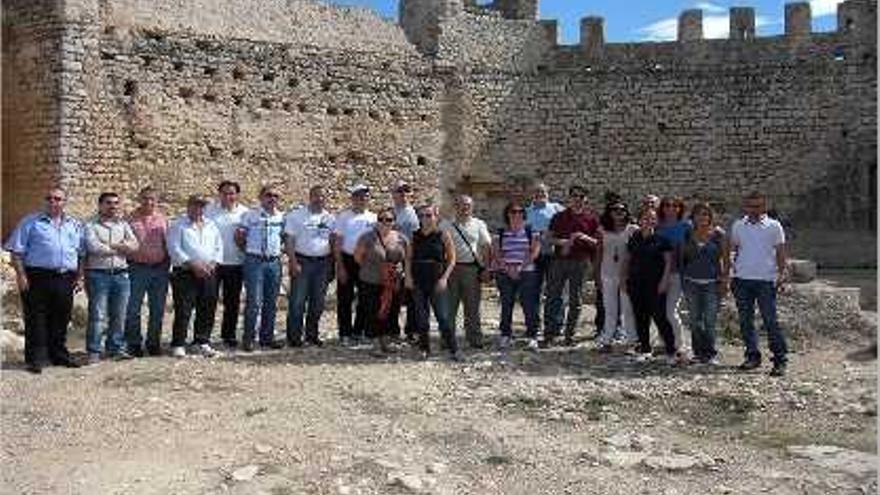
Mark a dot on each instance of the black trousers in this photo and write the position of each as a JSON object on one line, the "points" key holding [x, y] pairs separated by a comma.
{"points": [[47, 305], [648, 305], [191, 292], [345, 294], [229, 280]]}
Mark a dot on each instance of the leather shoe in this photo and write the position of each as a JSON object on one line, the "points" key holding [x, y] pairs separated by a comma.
{"points": [[67, 363], [34, 368]]}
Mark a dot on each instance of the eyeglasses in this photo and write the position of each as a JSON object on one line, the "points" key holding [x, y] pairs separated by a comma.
{"points": [[386, 220]]}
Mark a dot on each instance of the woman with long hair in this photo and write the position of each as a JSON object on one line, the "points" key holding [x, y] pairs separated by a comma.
{"points": [[514, 251], [617, 228], [380, 254], [705, 269], [672, 226]]}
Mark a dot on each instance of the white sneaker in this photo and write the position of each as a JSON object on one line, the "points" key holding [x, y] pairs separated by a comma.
{"points": [[504, 343], [533, 344], [207, 351], [178, 352]]}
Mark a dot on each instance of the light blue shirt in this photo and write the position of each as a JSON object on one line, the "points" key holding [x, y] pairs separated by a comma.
{"points": [[42, 243], [189, 242], [264, 232], [406, 221], [539, 218]]}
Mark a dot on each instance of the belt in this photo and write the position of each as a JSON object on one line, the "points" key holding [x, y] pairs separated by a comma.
{"points": [[108, 271], [160, 264], [48, 271], [312, 258], [264, 258]]}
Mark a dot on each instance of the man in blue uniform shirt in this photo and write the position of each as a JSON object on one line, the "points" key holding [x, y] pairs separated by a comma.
{"points": [[47, 248]]}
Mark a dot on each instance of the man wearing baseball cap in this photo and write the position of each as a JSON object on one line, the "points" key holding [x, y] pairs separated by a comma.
{"points": [[350, 225]]}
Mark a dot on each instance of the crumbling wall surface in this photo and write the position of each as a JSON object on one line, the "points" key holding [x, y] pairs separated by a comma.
{"points": [[793, 115], [32, 55], [181, 111]]}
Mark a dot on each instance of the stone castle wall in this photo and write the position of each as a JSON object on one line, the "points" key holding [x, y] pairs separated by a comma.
{"points": [[123, 93]]}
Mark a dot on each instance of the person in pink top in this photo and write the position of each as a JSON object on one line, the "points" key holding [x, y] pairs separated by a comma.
{"points": [[148, 273]]}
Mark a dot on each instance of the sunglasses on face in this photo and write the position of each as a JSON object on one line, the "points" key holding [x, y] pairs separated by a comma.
{"points": [[386, 220], [55, 198]]}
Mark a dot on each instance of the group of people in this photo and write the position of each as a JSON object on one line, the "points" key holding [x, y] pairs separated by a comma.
{"points": [[644, 265]]}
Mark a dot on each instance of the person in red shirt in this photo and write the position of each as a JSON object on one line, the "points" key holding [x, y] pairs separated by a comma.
{"points": [[574, 234]]}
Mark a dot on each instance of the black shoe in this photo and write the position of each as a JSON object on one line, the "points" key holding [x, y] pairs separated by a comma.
{"points": [[34, 368], [568, 342], [137, 352], [154, 351], [230, 344], [66, 362], [546, 343], [294, 343], [749, 364], [778, 370], [247, 347], [316, 342], [272, 345]]}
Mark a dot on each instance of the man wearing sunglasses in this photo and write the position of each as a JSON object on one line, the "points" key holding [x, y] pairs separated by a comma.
{"points": [[573, 234], [47, 248], [260, 236]]}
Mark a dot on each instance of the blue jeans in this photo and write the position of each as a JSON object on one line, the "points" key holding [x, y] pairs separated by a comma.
{"points": [[746, 292], [423, 303], [702, 300], [310, 285], [526, 289], [152, 281], [108, 298], [262, 282]]}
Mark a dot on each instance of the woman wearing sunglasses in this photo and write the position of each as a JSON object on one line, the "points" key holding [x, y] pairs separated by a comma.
{"points": [[430, 260], [617, 228], [515, 250], [380, 254]]}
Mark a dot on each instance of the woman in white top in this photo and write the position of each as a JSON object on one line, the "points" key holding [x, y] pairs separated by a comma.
{"points": [[617, 228]]}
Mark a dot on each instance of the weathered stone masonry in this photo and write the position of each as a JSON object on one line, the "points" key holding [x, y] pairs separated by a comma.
{"points": [[122, 93]]}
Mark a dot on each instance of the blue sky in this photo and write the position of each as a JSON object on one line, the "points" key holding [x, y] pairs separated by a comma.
{"points": [[651, 20]]}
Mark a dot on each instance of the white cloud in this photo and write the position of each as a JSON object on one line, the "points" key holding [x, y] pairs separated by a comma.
{"points": [[821, 8], [714, 26], [711, 8]]}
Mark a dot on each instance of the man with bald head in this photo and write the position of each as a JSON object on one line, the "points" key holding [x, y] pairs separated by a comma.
{"points": [[472, 245]]}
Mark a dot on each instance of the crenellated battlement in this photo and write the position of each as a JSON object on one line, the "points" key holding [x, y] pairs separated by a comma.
{"points": [[456, 30]]}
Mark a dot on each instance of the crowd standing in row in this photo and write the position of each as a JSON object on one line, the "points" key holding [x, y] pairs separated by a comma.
{"points": [[400, 255]]}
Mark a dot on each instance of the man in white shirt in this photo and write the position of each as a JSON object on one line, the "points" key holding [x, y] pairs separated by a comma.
{"points": [[758, 242], [472, 245], [350, 225], [195, 247], [109, 239], [260, 234], [226, 213], [309, 238]]}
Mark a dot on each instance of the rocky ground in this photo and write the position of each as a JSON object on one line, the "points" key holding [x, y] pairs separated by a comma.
{"points": [[340, 421]]}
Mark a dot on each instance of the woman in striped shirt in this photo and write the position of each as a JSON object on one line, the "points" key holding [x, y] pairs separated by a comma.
{"points": [[514, 252]]}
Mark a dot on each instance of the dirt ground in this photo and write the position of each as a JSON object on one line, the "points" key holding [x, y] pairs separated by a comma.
{"points": [[341, 421]]}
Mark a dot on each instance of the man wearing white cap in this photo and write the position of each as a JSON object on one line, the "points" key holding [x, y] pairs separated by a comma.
{"points": [[350, 225]]}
